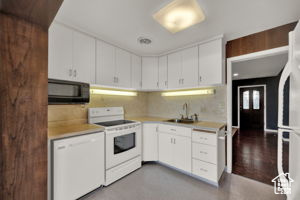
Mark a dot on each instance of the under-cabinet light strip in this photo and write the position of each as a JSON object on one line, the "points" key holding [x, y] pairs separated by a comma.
{"points": [[189, 92], [113, 92]]}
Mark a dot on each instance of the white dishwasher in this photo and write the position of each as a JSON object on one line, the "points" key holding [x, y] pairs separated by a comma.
{"points": [[77, 166]]}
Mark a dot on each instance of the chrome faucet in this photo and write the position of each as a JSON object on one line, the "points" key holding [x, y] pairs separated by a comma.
{"points": [[185, 107]]}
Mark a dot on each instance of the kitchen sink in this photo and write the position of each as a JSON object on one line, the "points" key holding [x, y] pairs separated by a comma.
{"points": [[184, 121]]}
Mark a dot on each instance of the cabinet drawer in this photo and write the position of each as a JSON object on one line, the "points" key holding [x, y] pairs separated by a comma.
{"points": [[205, 170], [205, 152], [177, 130], [202, 137]]}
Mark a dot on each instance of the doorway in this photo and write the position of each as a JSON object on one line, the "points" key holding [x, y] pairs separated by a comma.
{"points": [[252, 107]]}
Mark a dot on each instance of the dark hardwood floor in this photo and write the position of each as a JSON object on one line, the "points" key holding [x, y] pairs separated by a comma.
{"points": [[255, 155]]}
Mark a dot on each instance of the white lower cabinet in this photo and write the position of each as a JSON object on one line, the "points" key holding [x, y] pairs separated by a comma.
{"points": [[182, 153], [199, 152], [205, 170], [150, 142], [208, 154], [175, 150], [165, 143]]}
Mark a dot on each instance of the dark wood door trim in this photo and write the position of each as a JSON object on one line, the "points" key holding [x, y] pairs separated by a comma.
{"points": [[268, 39]]}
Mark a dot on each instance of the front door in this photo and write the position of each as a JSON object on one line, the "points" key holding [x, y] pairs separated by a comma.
{"points": [[252, 108]]}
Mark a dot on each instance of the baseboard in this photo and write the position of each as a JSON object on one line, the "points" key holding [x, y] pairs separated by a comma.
{"points": [[271, 130]]}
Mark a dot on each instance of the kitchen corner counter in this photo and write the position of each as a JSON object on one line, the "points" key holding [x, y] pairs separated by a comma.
{"points": [[205, 125], [57, 132]]}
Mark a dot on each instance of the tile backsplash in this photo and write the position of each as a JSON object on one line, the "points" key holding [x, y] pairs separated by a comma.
{"points": [[208, 107]]}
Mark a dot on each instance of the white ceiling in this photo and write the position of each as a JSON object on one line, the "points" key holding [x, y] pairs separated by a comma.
{"points": [[121, 22], [258, 68]]}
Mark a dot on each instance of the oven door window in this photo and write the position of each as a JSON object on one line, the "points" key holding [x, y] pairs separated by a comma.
{"points": [[124, 143]]}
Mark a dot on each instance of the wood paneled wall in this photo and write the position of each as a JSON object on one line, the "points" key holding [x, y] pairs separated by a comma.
{"points": [[269, 39], [24, 97]]}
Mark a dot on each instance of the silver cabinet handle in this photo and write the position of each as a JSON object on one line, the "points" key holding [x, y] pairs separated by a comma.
{"points": [[183, 81], [171, 140], [174, 141], [157, 84], [200, 78], [179, 81], [203, 138], [166, 83], [75, 73], [203, 152], [173, 129], [203, 169], [70, 72]]}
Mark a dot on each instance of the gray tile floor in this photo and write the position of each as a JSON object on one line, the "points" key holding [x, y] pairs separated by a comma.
{"points": [[156, 182]]}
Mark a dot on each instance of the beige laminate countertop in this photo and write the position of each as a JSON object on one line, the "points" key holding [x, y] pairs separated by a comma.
{"points": [[56, 132], [200, 124]]}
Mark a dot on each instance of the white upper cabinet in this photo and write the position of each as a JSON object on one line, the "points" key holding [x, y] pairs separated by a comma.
{"points": [[123, 68], [105, 68], [190, 67], [211, 71], [183, 68], [136, 72], [163, 72], [76, 56], [174, 70], [150, 73], [113, 66], [84, 57], [71, 55], [60, 52]]}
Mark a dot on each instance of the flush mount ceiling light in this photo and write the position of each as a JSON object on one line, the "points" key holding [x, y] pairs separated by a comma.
{"points": [[113, 92], [179, 15], [189, 92]]}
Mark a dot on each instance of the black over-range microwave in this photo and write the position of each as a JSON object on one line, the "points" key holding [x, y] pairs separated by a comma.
{"points": [[68, 92]]}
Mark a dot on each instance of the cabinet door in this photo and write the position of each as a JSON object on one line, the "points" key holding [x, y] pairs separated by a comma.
{"points": [[123, 68], [84, 53], [182, 153], [150, 142], [165, 148], [163, 72], [210, 63], [136, 72], [174, 70], [150, 73], [105, 68], [190, 67], [60, 52]]}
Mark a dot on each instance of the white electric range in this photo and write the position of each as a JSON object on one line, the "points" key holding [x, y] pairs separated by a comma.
{"points": [[122, 139]]}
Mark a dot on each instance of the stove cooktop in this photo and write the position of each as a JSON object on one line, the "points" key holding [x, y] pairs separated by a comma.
{"points": [[114, 123]]}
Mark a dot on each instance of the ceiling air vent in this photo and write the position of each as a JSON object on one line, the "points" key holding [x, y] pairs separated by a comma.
{"points": [[143, 40]]}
